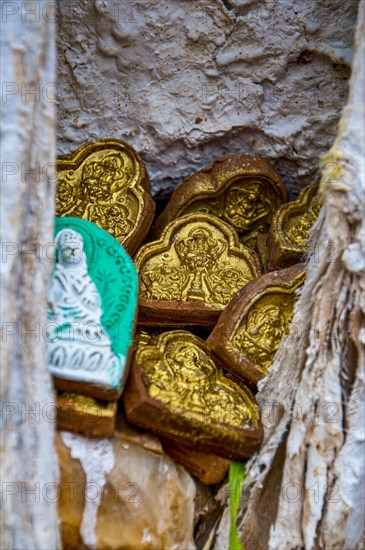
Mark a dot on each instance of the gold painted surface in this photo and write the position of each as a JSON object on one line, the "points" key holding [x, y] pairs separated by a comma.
{"points": [[144, 337], [101, 183], [86, 405], [179, 374], [298, 226], [264, 322], [197, 259], [247, 204], [299, 217]]}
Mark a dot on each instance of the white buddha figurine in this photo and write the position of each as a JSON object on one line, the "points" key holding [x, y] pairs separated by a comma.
{"points": [[78, 346]]}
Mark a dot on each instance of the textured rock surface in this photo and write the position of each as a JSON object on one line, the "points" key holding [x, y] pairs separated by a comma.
{"points": [[187, 81], [28, 515]]}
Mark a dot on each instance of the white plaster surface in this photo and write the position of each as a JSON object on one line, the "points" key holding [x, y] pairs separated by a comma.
{"points": [[186, 81]]}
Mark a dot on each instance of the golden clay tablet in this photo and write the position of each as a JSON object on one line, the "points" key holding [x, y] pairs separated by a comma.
{"points": [[105, 182], [191, 273], [178, 392], [250, 329], [86, 415], [288, 236], [242, 190]]}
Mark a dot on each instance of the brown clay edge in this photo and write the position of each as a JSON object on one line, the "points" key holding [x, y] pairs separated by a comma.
{"points": [[276, 258], [93, 390], [208, 468], [176, 314], [262, 251], [141, 230]]}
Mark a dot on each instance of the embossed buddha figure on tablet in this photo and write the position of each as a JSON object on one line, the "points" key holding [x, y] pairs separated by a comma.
{"points": [[101, 184], [297, 232], [288, 237], [105, 178], [260, 337], [115, 220], [199, 253], [242, 190], [97, 197], [185, 375], [246, 206], [78, 345], [68, 198], [191, 382], [203, 274]]}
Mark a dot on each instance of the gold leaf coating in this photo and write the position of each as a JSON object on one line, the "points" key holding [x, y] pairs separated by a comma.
{"points": [[197, 259], [242, 190], [106, 183], [86, 405], [289, 232], [247, 206], [300, 217], [264, 322], [179, 374], [144, 337]]}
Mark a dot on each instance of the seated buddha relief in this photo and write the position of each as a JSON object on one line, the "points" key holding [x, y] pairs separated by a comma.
{"points": [[260, 336], [199, 263], [78, 345], [106, 183], [245, 206], [185, 379]]}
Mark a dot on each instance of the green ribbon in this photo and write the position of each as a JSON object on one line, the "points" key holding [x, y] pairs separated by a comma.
{"points": [[237, 472]]}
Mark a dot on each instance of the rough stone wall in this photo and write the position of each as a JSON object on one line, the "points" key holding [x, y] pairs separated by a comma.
{"points": [[186, 81], [28, 462]]}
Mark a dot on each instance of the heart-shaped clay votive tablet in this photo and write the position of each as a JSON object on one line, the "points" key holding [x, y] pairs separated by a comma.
{"points": [[106, 182], [242, 190], [192, 272], [177, 391], [249, 331]]}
